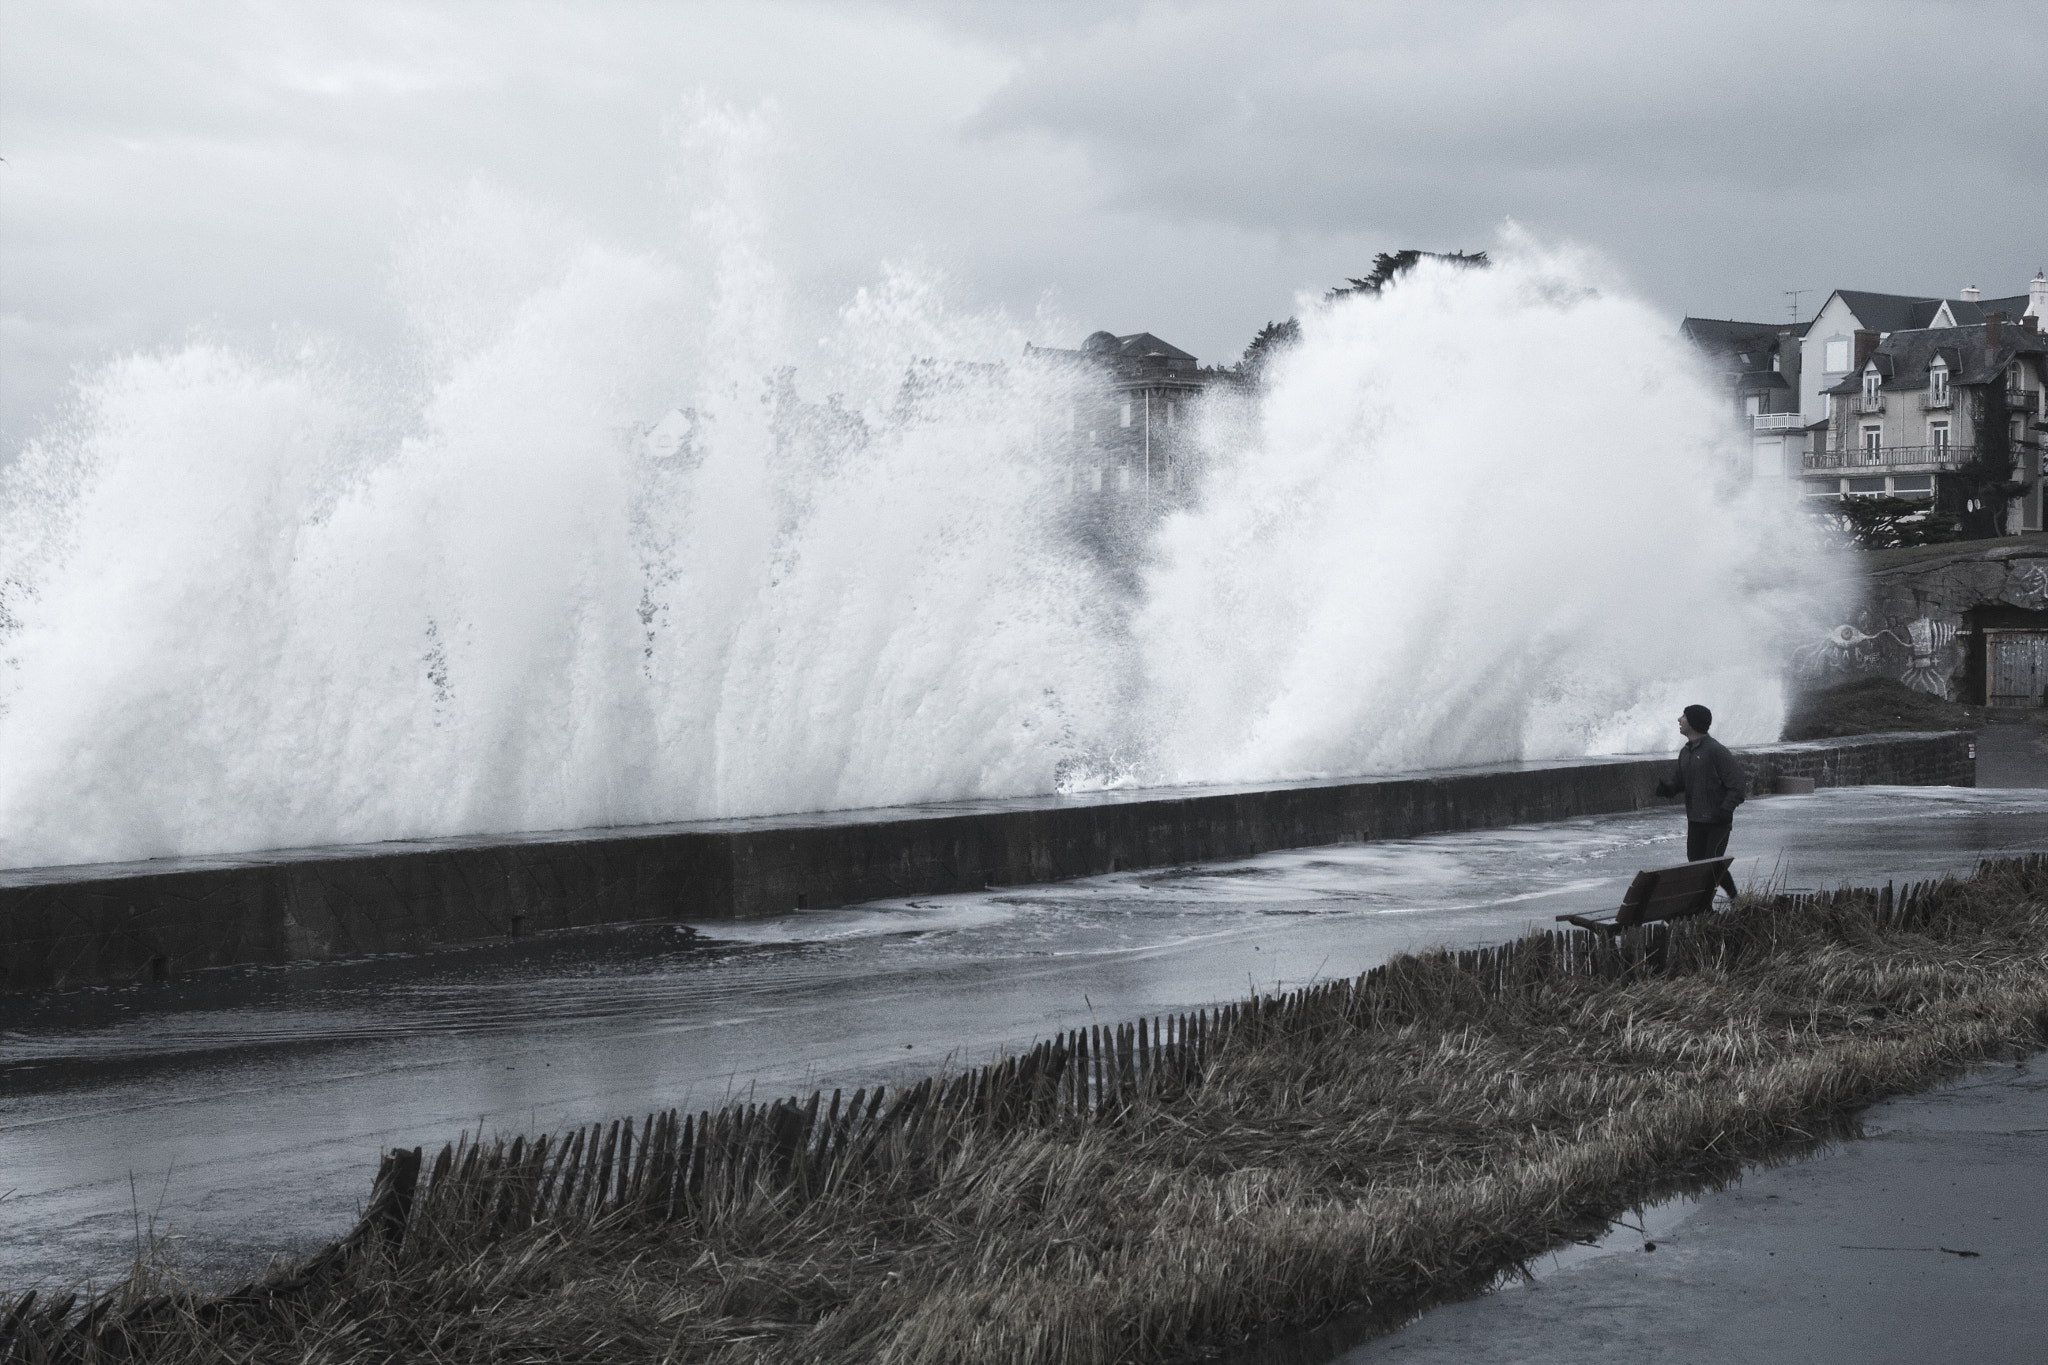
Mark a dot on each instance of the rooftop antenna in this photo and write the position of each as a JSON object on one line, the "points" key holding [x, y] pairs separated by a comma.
{"points": [[1794, 294]]}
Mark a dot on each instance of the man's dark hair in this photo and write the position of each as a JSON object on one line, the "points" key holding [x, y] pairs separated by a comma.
{"points": [[1699, 717]]}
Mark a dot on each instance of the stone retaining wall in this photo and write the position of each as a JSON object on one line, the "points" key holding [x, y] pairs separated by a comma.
{"points": [[1923, 613], [114, 923]]}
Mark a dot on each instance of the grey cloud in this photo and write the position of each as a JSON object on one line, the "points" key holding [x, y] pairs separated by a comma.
{"points": [[1178, 168], [1587, 118]]}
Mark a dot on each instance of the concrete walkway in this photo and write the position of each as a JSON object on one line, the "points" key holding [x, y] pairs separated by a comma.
{"points": [[1927, 1241], [2014, 755]]}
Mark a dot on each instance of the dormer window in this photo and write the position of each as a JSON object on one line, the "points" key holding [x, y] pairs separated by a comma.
{"points": [[1937, 384], [1871, 379]]}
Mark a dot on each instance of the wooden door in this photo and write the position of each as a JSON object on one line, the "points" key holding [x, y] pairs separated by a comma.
{"points": [[2016, 667]]}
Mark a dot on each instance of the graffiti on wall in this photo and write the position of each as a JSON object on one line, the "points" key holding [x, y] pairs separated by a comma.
{"points": [[2029, 587], [1914, 626], [1924, 657]]}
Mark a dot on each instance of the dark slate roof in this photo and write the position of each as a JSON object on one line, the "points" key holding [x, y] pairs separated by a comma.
{"points": [[1906, 312], [1892, 312], [1904, 357], [1744, 350], [1135, 346], [1144, 343], [1730, 335]]}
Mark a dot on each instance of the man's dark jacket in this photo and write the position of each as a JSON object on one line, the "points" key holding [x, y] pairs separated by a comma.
{"points": [[1710, 779]]}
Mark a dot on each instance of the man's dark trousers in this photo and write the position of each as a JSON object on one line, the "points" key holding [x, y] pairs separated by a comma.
{"points": [[1711, 781], [1709, 839]]}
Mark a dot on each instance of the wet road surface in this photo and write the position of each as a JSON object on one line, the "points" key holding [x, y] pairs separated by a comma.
{"points": [[243, 1112]]}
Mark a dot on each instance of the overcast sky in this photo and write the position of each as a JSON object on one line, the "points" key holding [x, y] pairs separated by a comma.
{"points": [[1178, 168]]}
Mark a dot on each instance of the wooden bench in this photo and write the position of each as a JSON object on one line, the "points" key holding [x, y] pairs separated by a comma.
{"points": [[1666, 893]]}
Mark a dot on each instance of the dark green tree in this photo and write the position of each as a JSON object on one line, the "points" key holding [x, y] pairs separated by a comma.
{"points": [[1982, 489], [1870, 523], [1272, 339], [1389, 266]]}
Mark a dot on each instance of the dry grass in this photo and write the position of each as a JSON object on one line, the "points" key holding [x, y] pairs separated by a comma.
{"points": [[1872, 705], [1375, 1144]]}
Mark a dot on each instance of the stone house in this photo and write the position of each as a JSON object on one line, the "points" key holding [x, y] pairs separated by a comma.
{"points": [[1759, 362], [1939, 412], [1828, 345], [1122, 423]]}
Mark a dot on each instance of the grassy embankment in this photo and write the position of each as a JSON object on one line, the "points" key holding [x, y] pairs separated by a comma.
{"points": [[1872, 705], [1381, 1143]]}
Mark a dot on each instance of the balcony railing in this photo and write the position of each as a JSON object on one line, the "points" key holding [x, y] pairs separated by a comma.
{"points": [[1893, 457], [1777, 421], [1930, 402], [1870, 402]]}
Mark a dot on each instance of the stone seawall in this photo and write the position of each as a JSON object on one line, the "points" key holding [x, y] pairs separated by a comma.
{"points": [[120, 922]]}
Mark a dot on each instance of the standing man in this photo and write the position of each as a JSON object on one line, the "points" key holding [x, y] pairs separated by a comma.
{"points": [[1711, 782]]}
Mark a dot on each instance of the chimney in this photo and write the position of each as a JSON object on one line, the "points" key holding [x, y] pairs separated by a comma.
{"points": [[1971, 293], [1866, 342], [1994, 332]]}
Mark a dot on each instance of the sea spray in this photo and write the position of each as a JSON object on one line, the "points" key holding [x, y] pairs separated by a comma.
{"points": [[271, 601], [1487, 514]]}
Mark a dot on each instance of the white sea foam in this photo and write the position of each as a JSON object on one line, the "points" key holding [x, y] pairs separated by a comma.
{"points": [[274, 601]]}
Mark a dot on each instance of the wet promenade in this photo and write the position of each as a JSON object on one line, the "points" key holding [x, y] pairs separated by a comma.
{"points": [[245, 1113]]}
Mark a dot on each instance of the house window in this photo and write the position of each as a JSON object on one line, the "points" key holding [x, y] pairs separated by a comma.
{"points": [[1753, 405], [1866, 488], [1937, 436], [1837, 355], [1937, 385], [1095, 479], [1871, 379], [1873, 445], [1169, 412], [1913, 485], [1123, 477], [1126, 417]]}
